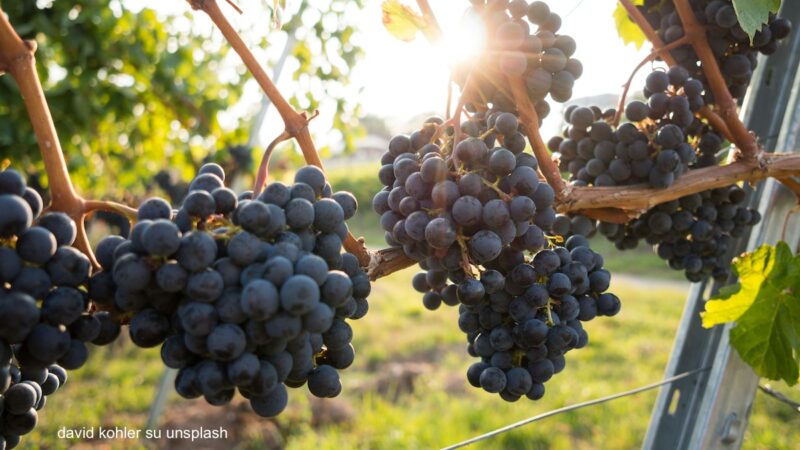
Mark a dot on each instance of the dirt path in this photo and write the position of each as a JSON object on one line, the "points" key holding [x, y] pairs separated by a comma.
{"points": [[641, 282]]}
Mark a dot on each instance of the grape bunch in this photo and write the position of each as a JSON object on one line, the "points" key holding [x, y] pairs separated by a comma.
{"points": [[458, 209], [542, 58], [693, 233], [672, 97], [242, 292], [45, 322], [732, 47], [22, 399], [434, 193], [597, 154], [522, 317]]}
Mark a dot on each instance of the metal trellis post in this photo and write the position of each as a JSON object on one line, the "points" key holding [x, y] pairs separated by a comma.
{"points": [[711, 411]]}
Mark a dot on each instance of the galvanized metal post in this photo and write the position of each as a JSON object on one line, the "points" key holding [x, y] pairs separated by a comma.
{"points": [[711, 410]]}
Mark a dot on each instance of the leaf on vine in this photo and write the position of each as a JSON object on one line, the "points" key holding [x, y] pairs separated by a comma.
{"points": [[401, 21], [752, 14], [627, 28], [765, 305]]}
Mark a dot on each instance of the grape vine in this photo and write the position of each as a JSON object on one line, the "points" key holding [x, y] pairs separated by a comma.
{"points": [[251, 291], [480, 224], [242, 292]]}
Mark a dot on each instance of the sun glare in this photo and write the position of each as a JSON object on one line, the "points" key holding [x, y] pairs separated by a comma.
{"points": [[465, 41]]}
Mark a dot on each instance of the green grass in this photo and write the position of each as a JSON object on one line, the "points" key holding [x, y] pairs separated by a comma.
{"points": [[407, 389]]}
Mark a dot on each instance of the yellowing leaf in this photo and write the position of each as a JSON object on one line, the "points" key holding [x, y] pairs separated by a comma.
{"points": [[765, 305], [627, 28], [401, 21]]}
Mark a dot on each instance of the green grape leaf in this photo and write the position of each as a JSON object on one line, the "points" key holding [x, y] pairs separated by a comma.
{"points": [[753, 14], [765, 305], [627, 28], [401, 21]]}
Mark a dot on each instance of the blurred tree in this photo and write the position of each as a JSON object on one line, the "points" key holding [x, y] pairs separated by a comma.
{"points": [[376, 125], [325, 52], [128, 92], [132, 93]]}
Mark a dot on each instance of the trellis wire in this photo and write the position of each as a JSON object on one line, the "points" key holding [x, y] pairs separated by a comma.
{"points": [[564, 409], [767, 389]]}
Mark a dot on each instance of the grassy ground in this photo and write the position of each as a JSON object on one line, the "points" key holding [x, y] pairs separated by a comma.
{"points": [[407, 389]]}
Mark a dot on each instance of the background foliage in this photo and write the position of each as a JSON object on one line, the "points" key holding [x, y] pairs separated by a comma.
{"points": [[132, 93]]}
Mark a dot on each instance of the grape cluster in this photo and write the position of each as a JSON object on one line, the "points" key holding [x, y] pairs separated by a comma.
{"points": [[527, 318], [241, 292], [435, 193], [596, 153], [732, 47], [672, 97], [693, 233], [21, 401], [542, 58], [460, 208], [44, 307]]}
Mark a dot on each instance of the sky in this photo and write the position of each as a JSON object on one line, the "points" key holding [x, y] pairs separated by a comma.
{"points": [[398, 80], [404, 79]]}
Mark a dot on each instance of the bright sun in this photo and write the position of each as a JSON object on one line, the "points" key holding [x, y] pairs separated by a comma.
{"points": [[465, 41]]}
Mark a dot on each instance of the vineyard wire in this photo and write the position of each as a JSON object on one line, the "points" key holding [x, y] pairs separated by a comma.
{"points": [[576, 406], [577, 5], [767, 389]]}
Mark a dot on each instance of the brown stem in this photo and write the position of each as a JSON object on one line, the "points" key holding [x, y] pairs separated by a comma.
{"points": [[17, 58], [786, 218], [102, 205], [440, 130], [234, 6], [503, 196], [792, 184], [639, 198], [530, 120], [612, 215], [263, 168], [388, 261], [695, 31], [296, 124], [462, 100], [716, 122], [648, 30], [82, 241], [286, 111], [713, 118], [433, 32]]}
